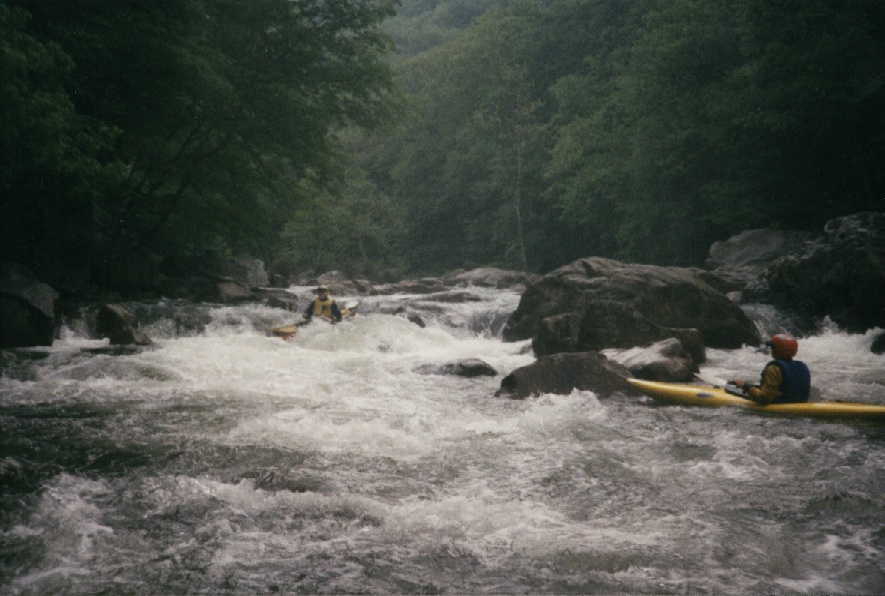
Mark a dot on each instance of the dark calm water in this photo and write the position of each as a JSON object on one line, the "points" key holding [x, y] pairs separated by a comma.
{"points": [[234, 463]]}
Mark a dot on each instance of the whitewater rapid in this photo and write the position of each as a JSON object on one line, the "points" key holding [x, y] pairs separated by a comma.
{"points": [[233, 462]]}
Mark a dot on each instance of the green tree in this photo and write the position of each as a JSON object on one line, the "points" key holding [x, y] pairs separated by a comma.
{"points": [[349, 226], [49, 171]]}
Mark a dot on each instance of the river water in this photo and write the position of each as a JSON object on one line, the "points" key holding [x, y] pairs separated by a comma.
{"points": [[235, 463]]}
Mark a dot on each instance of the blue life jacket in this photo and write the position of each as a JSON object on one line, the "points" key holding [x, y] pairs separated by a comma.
{"points": [[797, 381]]}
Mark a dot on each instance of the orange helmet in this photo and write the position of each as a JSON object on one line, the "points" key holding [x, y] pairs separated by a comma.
{"points": [[783, 347]]}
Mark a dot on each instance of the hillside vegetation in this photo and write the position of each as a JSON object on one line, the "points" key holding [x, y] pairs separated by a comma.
{"points": [[539, 132]]}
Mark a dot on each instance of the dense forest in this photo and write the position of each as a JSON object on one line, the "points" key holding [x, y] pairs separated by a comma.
{"points": [[411, 137], [135, 131], [547, 131]]}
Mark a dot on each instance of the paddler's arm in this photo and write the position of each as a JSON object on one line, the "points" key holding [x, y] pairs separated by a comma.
{"points": [[769, 390]]}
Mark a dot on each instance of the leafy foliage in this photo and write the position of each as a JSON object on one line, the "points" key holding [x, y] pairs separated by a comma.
{"points": [[638, 130], [185, 124], [347, 227]]}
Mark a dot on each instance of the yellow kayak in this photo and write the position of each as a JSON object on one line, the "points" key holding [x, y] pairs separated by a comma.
{"points": [[286, 332], [687, 394]]}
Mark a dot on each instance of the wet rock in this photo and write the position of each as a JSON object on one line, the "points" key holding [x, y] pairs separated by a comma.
{"points": [[878, 346], [738, 264], [246, 271], [597, 303], [230, 291], [840, 275], [209, 289], [425, 285], [453, 297], [340, 283], [755, 247], [116, 350], [401, 309], [562, 373], [666, 360], [415, 319], [491, 277], [12, 471], [27, 309], [275, 479], [490, 322], [185, 318], [118, 324], [468, 367], [278, 280], [191, 321], [280, 298]]}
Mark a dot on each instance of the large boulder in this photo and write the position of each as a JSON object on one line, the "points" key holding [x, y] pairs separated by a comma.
{"points": [[27, 309], [562, 373], [596, 303], [840, 275]]}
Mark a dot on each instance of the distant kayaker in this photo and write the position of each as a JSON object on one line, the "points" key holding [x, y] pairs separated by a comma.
{"points": [[784, 380], [323, 306]]}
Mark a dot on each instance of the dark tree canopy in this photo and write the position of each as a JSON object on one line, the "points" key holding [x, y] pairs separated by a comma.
{"points": [[161, 126]]}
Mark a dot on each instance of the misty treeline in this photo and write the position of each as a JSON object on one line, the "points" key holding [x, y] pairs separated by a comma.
{"points": [[644, 130], [514, 133]]}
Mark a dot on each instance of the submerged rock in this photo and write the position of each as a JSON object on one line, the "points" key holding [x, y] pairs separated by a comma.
{"points": [[468, 367]]}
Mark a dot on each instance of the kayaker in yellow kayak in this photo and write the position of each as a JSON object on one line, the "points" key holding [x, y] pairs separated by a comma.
{"points": [[323, 306], [783, 380]]}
